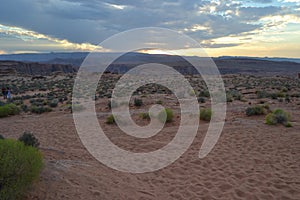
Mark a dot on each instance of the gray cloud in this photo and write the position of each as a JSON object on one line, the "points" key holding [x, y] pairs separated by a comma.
{"points": [[253, 13], [93, 21]]}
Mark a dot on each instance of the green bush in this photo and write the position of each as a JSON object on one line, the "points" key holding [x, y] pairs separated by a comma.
{"points": [[110, 119], [234, 94], [138, 102], [40, 109], [205, 114], [29, 140], [165, 115], [255, 110], [229, 97], [288, 125], [9, 109], [20, 166], [145, 116], [262, 94], [279, 116], [280, 94]]}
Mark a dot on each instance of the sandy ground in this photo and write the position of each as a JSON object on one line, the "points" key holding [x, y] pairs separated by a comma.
{"points": [[250, 161]]}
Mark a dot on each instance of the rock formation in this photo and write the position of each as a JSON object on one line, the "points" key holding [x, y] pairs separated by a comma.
{"points": [[14, 67]]}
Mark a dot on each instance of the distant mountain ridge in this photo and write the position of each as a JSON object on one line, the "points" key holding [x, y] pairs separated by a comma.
{"points": [[43, 57], [275, 59], [70, 62], [76, 58]]}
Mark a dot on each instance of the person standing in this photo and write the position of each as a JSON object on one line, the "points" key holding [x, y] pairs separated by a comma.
{"points": [[8, 93], [4, 92]]}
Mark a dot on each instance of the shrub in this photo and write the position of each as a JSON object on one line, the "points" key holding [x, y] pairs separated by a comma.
{"points": [[255, 110], [76, 107], [205, 114], [204, 93], [29, 139], [201, 100], [138, 102], [24, 107], [40, 109], [165, 115], [160, 102], [280, 94], [235, 94], [297, 95], [9, 109], [262, 94], [1, 137], [145, 116], [273, 96], [110, 119], [53, 103], [45, 102], [288, 125], [229, 97], [37, 102], [279, 117], [18, 102], [20, 166]]}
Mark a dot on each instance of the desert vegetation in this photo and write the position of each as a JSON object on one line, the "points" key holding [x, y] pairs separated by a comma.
{"points": [[279, 116], [205, 114], [21, 163], [166, 115], [255, 105], [8, 110]]}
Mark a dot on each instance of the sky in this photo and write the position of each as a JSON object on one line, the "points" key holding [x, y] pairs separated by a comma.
{"points": [[223, 28]]}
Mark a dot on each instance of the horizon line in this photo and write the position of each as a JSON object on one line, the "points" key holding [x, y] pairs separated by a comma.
{"points": [[69, 52]]}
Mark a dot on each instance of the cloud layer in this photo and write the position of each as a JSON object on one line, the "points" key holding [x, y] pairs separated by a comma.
{"points": [[81, 24]]}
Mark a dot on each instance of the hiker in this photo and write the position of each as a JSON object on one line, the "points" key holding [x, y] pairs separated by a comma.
{"points": [[8, 93], [4, 92]]}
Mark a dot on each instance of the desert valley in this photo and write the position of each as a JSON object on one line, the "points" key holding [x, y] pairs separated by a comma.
{"points": [[255, 157]]}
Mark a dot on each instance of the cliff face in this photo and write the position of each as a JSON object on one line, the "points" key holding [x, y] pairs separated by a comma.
{"points": [[13, 67]]}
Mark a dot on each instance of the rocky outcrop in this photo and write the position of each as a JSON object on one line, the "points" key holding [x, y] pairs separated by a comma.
{"points": [[13, 67]]}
